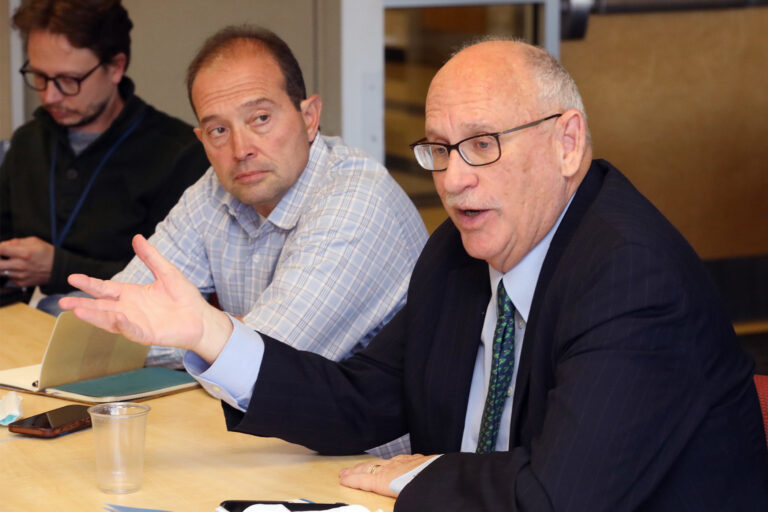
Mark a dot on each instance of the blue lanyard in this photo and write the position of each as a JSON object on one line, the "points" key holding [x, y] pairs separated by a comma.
{"points": [[57, 240]]}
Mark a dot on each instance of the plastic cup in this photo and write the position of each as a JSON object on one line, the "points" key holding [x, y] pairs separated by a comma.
{"points": [[118, 432]]}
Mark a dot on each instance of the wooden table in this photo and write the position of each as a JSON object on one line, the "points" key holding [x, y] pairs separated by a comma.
{"points": [[191, 462]]}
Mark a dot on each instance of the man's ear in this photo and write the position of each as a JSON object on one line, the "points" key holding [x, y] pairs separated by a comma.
{"points": [[198, 134], [310, 110], [572, 140], [116, 67]]}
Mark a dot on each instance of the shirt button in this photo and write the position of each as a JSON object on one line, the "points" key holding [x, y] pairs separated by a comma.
{"points": [[217, 390], [510, 391], [520, 324], [71, 174]]}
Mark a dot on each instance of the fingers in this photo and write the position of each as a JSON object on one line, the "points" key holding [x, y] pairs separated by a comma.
{"points": [[21, 247], [21, 279], [104, 293], [160, 267], [374, 476], [18, 271], [18, 266], [11, 249], [103, 319], [363, 467], [105, 314], [11, 264], [130, 330], [12, 269], [377, 475], [111, 321], [95, 287], [361, 481], [71, 303], [8, 266]]}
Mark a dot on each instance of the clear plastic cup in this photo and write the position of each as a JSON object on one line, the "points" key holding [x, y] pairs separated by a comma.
{"points": [[118, 433]]}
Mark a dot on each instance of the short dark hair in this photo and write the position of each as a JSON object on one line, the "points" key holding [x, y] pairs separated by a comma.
{"points": [[102, 26], [230, 37]]}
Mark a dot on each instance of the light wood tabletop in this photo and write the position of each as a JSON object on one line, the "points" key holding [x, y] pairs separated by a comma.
{"points": [[191, 462]]}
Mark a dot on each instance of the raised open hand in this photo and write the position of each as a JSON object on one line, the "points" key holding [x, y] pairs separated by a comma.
{"points": [[169, 311]]}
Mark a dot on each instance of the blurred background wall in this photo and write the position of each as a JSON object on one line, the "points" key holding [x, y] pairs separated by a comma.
{"points": [[5, 85], [167, 34], [677, 100]]}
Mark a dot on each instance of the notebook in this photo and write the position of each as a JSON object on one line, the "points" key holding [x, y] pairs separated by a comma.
{"points": [[87, 364]]}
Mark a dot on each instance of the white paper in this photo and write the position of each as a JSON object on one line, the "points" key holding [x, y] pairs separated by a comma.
{"points": [[10, 408]]}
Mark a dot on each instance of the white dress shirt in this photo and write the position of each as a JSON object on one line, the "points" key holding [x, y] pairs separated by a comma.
{"points": [[520, 283]]}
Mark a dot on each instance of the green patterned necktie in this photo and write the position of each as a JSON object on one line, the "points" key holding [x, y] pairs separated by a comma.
{"points": [[502, 366]]}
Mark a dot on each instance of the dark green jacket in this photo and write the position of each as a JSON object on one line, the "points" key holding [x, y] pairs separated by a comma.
{"points": [[137, 186]]}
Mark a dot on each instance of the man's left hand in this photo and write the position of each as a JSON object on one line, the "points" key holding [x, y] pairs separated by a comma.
{"points": [[375, 476], [27, 261]]}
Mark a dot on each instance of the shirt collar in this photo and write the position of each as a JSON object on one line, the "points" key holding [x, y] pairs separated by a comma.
{"points": [[520, 281], [247, 217], [290, 208]]}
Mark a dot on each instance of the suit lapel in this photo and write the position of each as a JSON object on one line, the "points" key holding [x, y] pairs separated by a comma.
{"points": [[582, 200], [465, 300]]}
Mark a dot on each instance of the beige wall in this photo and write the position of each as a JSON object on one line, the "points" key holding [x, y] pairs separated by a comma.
{"points": [[679, 102], [167, 34], [5, 86]]}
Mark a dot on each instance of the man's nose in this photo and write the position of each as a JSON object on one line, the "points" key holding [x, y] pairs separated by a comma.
{"points": [[458, 175], [243, 146], [51, 93]]}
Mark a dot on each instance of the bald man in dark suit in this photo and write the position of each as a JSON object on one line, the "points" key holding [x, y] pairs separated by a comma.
{"points": [[561, 347]]}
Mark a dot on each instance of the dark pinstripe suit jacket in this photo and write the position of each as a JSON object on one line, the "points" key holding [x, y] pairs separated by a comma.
{"points": [[631, 395]]}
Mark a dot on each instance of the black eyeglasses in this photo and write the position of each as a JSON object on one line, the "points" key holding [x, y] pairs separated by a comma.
{"points": [[67, 85], [477, 150]]}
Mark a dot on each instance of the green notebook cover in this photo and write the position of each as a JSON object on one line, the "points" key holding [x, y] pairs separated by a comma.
{"points": [[134, 382]]}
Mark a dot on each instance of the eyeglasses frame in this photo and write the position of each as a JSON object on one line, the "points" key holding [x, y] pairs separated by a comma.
{"points": [[79, 80], [451, 147]]}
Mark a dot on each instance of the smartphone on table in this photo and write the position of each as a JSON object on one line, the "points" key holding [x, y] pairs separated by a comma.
{"points": [[53, 423]]}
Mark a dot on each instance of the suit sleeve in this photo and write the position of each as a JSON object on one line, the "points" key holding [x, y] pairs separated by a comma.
{"points": [[333, 408], [622, 407]]}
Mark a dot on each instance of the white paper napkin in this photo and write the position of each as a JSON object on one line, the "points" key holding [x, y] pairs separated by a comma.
{"points": [[10, 408]]}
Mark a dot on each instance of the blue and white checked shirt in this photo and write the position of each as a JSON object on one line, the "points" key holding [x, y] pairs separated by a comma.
{"points": [[324, 272]]}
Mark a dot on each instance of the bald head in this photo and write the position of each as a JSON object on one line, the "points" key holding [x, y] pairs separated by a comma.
{"points": [[514, 101], [530, 75]]}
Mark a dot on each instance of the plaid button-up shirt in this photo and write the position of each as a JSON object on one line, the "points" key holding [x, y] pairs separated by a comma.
{"points": [[324, 272]]}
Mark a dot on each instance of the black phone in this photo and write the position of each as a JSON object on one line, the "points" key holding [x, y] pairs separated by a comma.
{"points": [[241, 505], [53, 423]]}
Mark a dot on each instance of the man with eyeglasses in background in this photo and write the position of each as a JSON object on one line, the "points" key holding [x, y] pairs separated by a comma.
{"points": [[561, 347], [96, 165]]}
